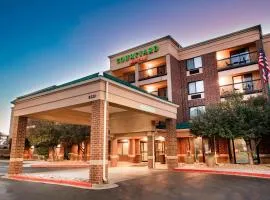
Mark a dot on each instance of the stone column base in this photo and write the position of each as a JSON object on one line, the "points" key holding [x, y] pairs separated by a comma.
{"points": [[172, 162], [114, 160], [15, 167], [96, 174], [138, 159], [150, 163]]}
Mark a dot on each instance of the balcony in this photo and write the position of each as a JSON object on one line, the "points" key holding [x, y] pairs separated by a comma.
{"points": [[152, 72], [161, 92], [130, 77], [245, 87], [235, 61]]}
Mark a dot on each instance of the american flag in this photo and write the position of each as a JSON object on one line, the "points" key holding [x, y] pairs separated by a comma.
{"points": [[264, 67]]}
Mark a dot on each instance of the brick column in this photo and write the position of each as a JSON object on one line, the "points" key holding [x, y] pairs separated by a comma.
{"points": [[150, 150], [114, 154], [131, 150], [17, 148], [96, 152], [137, 151], [171, 144]]}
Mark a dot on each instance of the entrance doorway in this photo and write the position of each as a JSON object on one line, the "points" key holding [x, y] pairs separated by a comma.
{"points": [[159, 151]]}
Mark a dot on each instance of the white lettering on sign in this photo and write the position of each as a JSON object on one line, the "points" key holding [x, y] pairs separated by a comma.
{"points": [[148, 108]]}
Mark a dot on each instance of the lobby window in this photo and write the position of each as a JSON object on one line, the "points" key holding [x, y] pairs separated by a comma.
{"points": [[194, 64], [196, 111], [123, 147]]}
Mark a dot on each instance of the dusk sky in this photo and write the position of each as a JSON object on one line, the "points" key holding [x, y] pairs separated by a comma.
{"points": [[43, 43]]}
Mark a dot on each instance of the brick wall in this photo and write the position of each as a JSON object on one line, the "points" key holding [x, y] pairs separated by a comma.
{"points": [[96, 152], [180, 85], [17, 147]]}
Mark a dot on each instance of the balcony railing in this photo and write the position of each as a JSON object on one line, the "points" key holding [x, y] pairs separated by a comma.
{"points": [[237, 61], [152, 72], [246, 87], [128, 77], [162, 92]]}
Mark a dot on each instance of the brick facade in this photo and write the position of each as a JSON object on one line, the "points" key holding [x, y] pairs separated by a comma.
{"points": [[131, 150], [180, 82], [137, 151], [96, 153], [114, 154], [18, 142], [171, 144]]}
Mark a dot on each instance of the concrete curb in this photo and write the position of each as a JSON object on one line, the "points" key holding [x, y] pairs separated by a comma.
{"points": [[71, 183], [247, 174], [58, 166]]}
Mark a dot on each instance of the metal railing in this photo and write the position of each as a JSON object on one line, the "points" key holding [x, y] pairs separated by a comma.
{"points": [[128, 77], [152, 72], [245, 87], [161, 93], [237, 60]]}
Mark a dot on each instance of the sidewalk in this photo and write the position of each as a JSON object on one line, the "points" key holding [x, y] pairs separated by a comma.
{"points": [[262, 171]]}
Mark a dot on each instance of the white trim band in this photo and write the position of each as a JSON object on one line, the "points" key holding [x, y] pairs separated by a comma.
{"points": [[97, 162], [150, 157], [131, 156], [16, 159], [172, 157], [114, 156]]}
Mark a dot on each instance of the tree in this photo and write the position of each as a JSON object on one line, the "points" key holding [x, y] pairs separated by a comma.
{"points": [[44, 135], [75, 134], [235, 118]]}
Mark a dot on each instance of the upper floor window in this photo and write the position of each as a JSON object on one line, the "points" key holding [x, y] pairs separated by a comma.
{"points": [[194, 63], [196, 111], [195, 87]]}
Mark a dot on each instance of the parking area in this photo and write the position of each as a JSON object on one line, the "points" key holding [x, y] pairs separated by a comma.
{"points": [[156, 186], [124, 171]]}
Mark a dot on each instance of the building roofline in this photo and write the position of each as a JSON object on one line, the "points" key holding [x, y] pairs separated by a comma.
{"points": [[266, 36], [147, 44], [257, 27], [83, 80]]}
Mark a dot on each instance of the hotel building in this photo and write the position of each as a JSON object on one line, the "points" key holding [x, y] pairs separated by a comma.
{"points": [[143, 104]]}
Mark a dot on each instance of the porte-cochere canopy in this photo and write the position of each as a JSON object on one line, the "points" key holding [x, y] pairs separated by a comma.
{"points": [[101, 101]]}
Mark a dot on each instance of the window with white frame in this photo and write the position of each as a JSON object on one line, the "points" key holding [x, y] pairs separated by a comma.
{"points": [[196, 111], [195, 87], [194, 63]]}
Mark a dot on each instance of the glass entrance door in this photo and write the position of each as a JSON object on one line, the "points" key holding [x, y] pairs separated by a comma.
{"points": [[144, 151], [159, 150]]}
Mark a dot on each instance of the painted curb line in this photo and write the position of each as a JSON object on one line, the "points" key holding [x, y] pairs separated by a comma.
{"points": [[71, 183], [246, 174], [58, 166]]}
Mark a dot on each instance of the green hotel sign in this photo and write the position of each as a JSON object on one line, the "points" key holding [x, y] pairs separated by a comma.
{"points": [[138, 54]]}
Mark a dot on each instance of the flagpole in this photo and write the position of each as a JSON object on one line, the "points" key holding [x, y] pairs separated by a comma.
{"points": [[267, 73]]}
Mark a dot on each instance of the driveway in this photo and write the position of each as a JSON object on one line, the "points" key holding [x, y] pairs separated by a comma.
{"points": [[160, 185]]}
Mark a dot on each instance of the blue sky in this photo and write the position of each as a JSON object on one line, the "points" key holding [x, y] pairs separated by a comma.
{"points": [[43, 43]]}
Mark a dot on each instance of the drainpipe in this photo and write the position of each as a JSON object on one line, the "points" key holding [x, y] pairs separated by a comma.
{"points": [[105, 131]]}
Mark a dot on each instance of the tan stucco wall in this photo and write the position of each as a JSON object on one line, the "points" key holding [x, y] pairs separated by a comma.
{"points": [[128, 122], [266, 45], [165, 47], [229, 42]]}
